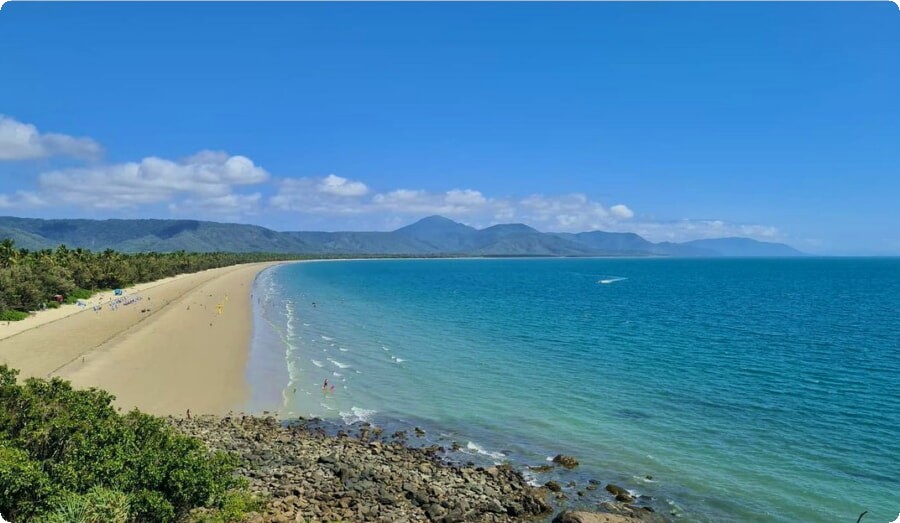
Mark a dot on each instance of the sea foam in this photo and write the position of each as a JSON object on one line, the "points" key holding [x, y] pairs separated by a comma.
{"points": [[357, 415]]}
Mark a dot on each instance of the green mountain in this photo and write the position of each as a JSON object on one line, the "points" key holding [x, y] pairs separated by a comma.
{"points": [[434, 235]]}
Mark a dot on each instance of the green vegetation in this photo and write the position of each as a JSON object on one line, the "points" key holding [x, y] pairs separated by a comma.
{"points": [[30, 279], [10, 315], [237, 504], [78, 294], [66, 455]]}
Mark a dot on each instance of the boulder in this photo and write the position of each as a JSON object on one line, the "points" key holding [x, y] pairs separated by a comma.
{"points": [[566, 461]]}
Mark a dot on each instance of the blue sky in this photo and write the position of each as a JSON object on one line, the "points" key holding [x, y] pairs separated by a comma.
{"points": [[776, 121]]}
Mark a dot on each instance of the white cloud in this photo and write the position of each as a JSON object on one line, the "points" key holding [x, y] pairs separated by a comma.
{"points": [[621, 211], [21, 141], [338, 186], [464, 197], [456, 202], [207, 174], [21, 199], [563, 212], [331, 195], [688, 229], [559, 213]]}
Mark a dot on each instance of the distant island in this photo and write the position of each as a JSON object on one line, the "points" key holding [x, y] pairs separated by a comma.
{"points": [[432, 236]]}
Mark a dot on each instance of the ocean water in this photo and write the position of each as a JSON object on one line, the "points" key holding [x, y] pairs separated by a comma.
{"points": [[748, 390]]}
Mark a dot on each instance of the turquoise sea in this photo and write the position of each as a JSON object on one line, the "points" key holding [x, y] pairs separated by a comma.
{"points": [[747, 389]]}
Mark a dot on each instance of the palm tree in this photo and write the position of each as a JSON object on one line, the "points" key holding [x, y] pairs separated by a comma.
{"points": [[9, 255]]}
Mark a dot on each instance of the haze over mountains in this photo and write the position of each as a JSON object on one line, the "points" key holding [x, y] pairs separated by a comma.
{"points": [[434, 235]]}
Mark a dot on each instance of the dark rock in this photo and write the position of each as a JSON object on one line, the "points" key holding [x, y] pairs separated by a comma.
{"points": [[615, 490], [566, 461], [625, 497], [553, 486]]}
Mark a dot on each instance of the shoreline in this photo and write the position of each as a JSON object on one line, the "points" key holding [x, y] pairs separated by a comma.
{"points": [[363, 474], [182, 354], [172, 348]]}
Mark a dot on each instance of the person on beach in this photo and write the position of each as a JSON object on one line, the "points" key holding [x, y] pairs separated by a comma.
{"points": [[189, 414]]}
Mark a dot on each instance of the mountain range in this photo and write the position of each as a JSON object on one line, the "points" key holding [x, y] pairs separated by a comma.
{"points": [[434, 235]]}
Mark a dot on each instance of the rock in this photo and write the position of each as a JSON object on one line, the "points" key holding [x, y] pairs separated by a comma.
{"points": [[566, 461], [592, 517], [553, 486], [625, 497], [307, 475], [615, 490]]}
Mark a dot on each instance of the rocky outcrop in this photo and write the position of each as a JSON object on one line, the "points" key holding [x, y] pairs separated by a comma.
{"points": [[305, 475], [308, 476]]}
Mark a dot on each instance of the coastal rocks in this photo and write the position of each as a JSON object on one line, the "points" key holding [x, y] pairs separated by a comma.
{"points": [[566, 461], [553, 486], [621, 494], [592, 517], [305, 475], [643, 514]]}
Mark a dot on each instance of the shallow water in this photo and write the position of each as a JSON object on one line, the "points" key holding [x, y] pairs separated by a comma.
{"points": [[749, 390]]}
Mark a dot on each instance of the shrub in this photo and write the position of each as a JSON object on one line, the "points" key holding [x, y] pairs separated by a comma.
{"points": [[237, 504], [78, 294], [24, 488], [11, 315], [98, 505], [68, 448]]}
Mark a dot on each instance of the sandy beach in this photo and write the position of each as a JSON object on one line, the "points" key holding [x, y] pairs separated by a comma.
{"points": [[168, 351]]}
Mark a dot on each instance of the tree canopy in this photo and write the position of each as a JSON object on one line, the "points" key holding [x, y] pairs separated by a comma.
{"points": [[30, 279], [65, 451]]}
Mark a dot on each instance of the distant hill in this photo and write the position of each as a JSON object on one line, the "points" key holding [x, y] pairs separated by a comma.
{"points": [[434, 235], [743, 247]]}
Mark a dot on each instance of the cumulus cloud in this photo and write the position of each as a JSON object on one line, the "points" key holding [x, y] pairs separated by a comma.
{"points": [[331, 195], [22, 141], [206, 175], [621, 211], [20, 200], [338, 186], [456, 202], [557, 213]]}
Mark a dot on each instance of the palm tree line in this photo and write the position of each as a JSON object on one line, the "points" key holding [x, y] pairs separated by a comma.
{"points": [[30, 279]]}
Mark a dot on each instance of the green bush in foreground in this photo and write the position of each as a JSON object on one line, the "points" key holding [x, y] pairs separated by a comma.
{"points": [[67, 455]]}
